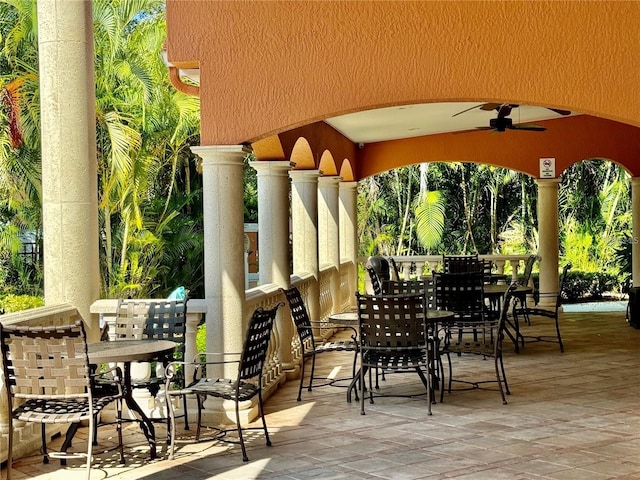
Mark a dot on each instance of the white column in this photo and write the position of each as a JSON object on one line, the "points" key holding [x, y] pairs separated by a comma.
{"points": [[304, 229], [328, 233], [273, 242], [349, 234], [223, 212], [548, 235], [69, 165], [635, 222], [273, 221]]}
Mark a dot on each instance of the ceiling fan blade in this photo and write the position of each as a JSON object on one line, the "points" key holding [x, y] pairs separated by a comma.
{"points": [[466, 110], [533, 128], [561, 112], [490, 106], [457, 132]]}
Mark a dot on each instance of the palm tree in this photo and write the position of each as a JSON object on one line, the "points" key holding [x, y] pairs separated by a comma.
{"points": [[144, 130]]}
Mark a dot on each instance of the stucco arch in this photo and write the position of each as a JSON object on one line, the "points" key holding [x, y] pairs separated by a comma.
{"points": [[346, 171], [327, 164], [302, 155], [538, 53]]}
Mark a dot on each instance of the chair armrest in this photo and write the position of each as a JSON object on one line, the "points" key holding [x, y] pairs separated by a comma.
{"points": [[330, 324], [171, 371]]}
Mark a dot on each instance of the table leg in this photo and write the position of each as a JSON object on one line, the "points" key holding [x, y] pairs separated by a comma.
{"points": [[145, 423]]}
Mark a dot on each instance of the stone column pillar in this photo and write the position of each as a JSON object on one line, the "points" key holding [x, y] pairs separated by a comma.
{"points": [[349, 234], [304, 229], [328, 233], [223, 212], [273, 243], [69, 165], [548, 237], [273, 221], [635, 231]]}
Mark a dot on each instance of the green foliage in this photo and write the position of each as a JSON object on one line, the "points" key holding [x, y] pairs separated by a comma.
{"points": [[201, 338], [17, 303], [580, 284], [430, 217]]}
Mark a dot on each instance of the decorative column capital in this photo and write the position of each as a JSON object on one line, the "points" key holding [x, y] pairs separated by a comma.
{"points": [[329, 181], [305, 176], [548, 182], [221, 154], [348, 186], [272, 168]]}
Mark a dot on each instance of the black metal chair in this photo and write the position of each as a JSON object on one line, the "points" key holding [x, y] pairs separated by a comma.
{"points": [[309, 347], [549, 313], [48, 380], [463, 294], [246, 385], [484, 340], [394, 335]]}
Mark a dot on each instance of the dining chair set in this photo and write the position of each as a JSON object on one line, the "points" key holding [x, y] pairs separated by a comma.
{"points": [[478, 325], [49, 378]]}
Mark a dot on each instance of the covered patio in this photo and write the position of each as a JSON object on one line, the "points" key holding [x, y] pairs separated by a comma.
{"points": [[570, 416]]}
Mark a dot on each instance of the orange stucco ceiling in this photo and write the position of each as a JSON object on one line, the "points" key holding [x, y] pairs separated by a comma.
{"points": [[269, 67]]}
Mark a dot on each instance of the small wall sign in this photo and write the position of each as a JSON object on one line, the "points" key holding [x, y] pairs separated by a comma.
{"points": [[547, 168]]}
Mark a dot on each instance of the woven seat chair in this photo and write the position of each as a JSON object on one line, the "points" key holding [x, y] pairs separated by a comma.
{"points": [[394, 336], [309, 347], [48, 381], [484, 339], [551, 313], [244, 387], [154, 319], [463, 294]]}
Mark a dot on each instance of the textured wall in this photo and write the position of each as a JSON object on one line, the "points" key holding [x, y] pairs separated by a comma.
{"points": [[267, 67]]}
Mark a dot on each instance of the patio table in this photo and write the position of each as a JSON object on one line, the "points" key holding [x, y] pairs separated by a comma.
{"points": [[125, 352]]}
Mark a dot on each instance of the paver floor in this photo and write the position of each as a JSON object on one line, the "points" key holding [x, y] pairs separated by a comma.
{"points": [[572, 415]]}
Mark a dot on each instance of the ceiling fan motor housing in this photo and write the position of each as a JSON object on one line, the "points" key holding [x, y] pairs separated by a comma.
{"points": [[500, 123]]}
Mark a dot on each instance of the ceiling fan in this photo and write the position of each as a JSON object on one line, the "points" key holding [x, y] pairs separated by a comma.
{"points": [[502, 122]]}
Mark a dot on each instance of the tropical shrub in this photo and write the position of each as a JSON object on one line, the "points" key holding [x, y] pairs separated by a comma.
{"points": [[17, 303]]}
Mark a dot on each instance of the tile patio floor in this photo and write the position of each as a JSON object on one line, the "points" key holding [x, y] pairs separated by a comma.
{"points": [[574, 415]]}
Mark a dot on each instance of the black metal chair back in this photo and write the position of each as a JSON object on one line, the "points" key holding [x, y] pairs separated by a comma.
{"points": [[376, 283], [461, 293], [462, 264], [300, 317]]}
